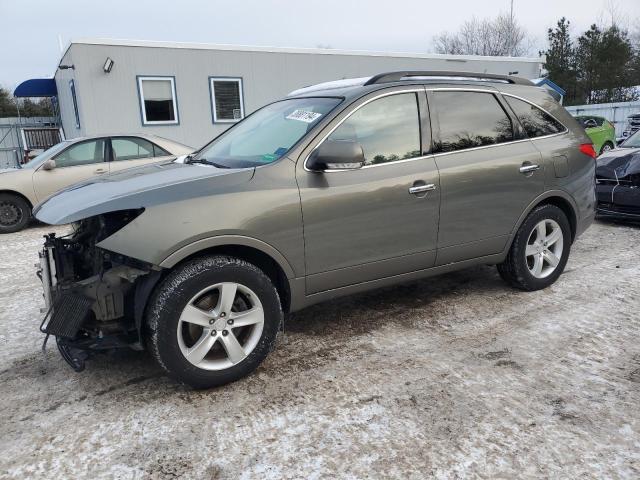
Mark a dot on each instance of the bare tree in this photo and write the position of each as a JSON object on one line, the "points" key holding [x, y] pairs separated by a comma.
{"points": [[501, 36]]}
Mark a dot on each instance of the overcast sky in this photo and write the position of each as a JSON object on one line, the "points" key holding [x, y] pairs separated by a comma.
{"points": [[29, 29]]}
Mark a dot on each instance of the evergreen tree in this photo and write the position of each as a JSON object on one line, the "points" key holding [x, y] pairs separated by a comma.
{"points": [[560, 59], [600, 66]]}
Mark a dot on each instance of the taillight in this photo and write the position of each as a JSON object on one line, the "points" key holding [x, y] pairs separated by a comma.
{"points": [[587, 149]]}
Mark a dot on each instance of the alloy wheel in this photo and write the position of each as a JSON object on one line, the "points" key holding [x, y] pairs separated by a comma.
{"points": [[220, 326], [544, 248]]}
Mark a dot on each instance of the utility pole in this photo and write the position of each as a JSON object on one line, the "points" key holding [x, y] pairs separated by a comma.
{"points": [[511, 30]]}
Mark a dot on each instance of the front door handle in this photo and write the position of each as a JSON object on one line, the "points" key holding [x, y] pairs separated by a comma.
{"points": [[529, 168], [418, 189], [99, 171]]}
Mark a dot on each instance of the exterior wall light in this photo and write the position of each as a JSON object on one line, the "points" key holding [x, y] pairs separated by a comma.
{"points": [[108, 65]]}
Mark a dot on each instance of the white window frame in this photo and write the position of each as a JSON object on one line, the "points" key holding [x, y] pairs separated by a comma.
{"points": [[174, 98], [212, 89]]}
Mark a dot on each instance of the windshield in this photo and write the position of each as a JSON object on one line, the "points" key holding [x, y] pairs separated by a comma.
{"points": [[268, 134], [37, 160], [632, 142]]}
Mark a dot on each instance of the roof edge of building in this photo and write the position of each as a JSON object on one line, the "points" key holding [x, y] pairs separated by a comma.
{"points": [[301, 50]]}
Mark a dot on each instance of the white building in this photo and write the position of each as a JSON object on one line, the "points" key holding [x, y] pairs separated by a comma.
{"points": [[192, 92]]}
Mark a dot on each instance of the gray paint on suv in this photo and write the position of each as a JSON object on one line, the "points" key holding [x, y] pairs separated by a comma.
{"points": [[337, 190]]}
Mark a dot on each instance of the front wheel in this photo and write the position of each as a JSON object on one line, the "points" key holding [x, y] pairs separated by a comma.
{"points": [[213, 320], [539, 251]]}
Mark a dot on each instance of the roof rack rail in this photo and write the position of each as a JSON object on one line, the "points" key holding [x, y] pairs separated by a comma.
{"points": [[398, 76]]}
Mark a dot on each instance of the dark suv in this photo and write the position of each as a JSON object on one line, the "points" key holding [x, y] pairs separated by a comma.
{"points": [[339, 188]]}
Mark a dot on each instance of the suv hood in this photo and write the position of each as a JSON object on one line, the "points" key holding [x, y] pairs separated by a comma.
{"points": [[135, 188]]}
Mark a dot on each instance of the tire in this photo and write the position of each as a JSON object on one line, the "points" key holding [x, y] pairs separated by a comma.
{"points": [[15, 213], [196, 292], [534, 271], [606, 147]]}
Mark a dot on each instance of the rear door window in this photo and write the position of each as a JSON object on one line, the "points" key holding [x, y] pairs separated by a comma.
{"points": [[535, 122], [131, 148], [468, 120]]}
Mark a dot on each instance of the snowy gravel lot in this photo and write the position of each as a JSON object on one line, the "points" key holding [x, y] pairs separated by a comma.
{"points": [[456, 376]]}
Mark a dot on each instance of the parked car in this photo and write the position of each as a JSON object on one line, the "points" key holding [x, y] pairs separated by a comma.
{"points": [[601, 132], [618, 180], [633, 125], [72, 161], [336, 189]]}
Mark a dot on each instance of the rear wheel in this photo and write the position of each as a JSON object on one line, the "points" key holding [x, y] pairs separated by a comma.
{"points": [[14, 213], [606, 147], [539, 251], [213, 321]]}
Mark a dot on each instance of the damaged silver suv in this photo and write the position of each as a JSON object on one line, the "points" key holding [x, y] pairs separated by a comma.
{"points": [[339, 188]]}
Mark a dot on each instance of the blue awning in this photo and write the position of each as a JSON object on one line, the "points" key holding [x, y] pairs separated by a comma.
{"points": [[36, 87]]}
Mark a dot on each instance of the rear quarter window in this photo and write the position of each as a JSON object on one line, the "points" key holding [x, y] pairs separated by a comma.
{"points": [[535, 121]]}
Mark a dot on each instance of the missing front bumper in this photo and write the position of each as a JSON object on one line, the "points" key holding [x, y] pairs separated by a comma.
{"points": [[66, 316]]}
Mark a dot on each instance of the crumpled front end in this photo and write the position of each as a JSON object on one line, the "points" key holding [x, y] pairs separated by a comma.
{"points": [[94, 298]]}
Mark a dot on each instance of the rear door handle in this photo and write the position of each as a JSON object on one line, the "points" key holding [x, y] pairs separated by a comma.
{"points": [[99, 171], [529, 168], [418, 189]]}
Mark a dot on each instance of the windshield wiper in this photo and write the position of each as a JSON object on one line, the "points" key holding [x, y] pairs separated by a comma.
{"points": [[192, 159]]}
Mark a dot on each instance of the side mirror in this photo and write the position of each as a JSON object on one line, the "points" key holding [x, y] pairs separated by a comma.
{"points": [[336, 155], [49, 164]]}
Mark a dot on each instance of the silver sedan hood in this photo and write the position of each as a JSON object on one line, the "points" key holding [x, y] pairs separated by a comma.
{"points": [[135, 188]]}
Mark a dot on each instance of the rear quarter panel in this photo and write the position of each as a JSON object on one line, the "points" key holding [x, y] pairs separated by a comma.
{"points": [[579, 179]]}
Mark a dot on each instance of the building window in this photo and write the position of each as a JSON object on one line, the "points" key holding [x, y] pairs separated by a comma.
{"points": [[158, 100], [72, 87], [226, 99]]}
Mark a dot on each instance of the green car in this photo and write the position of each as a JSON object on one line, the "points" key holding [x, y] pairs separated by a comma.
{"points": [[601, 132]]}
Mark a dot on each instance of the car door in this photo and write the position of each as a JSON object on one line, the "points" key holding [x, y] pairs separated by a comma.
{"points": [[78, 162], [128, 152], [372, 222], [489, 172]]}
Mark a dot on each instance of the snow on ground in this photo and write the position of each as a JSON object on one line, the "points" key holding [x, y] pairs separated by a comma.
{"points": [[452, 377]]}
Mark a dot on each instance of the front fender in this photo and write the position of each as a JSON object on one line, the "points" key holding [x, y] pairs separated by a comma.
{"points": [[227, 240]]}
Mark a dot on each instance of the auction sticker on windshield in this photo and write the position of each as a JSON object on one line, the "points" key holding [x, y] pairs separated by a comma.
{"points": [[304, 116]]}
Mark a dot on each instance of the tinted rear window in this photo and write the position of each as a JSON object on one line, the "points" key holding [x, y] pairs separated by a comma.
{"points": [[470, 119], [534, 121]]}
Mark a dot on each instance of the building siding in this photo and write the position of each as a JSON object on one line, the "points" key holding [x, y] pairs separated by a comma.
{"points": [[109, 103]]}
